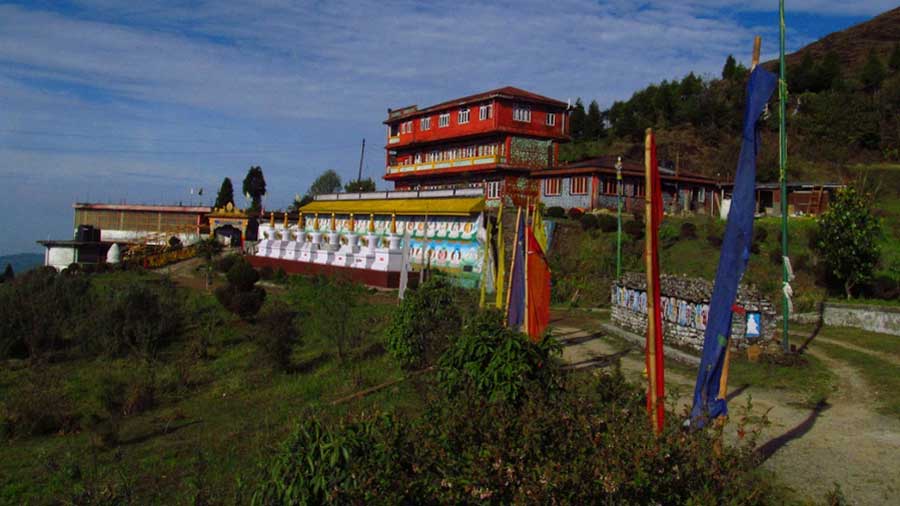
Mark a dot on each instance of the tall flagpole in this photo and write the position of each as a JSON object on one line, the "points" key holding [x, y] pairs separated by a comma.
{"points": [[619, 214], [648, 253], [525, 259], [782, 151]]}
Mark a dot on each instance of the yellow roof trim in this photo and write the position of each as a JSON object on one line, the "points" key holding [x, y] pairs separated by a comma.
{"points": [[431, 207]]}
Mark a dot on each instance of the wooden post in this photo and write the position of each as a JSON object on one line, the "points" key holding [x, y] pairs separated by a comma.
{"points": [[525, 259], [648, 257]]}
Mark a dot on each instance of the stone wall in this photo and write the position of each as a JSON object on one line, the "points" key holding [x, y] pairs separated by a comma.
{"points": [[685, 310], [885, 320]]}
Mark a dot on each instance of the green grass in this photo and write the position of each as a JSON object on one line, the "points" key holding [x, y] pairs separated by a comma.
{"points": [[809, 381], [881, 343], [200, 438], [882, 377]]}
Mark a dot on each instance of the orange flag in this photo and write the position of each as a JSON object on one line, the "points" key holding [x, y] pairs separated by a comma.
{"points": [[538, 287]]}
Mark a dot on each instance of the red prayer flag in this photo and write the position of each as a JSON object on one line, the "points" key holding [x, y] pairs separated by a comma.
{"points": [[538, 287]]}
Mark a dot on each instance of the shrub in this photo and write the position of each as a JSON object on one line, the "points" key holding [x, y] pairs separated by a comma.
{"points": [[495, 362], [607, 223], [574, 448], [714, 240], [175, 243], [555, 212], [38, 406], [668, 235], [240, 296], [884, 287], [589, 222], [425, 324], [334, 314], [225, 263], [634, 228], [266, 273], [688, 231], [760, 235], [277, 334], [575, 213]]}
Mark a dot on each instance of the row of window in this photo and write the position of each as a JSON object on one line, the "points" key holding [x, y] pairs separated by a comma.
{"points": [[454, 153], [577, 186], [521, 113]]}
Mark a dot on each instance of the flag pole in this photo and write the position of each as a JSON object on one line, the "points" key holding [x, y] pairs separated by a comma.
{"points": [[525, 259], [648, 255], [782, 158], [619, 219], [484, 261], [501, 259], [512, 265]]}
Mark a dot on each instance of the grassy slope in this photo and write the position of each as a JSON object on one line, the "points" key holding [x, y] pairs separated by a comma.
{"points": [[203, 437]]}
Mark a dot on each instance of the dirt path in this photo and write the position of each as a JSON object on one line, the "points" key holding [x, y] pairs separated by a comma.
{"points": [[843, 441], [887, 357]]}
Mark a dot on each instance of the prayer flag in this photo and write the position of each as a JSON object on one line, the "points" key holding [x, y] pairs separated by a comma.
{"points": [[538, 290], [516, 297], [735, 254], [537, 225]]}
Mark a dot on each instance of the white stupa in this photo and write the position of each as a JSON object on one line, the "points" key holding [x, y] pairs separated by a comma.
{"points": [[113, 255]]}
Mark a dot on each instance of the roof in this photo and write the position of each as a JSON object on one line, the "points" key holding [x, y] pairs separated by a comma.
{"points": [[433, 207], [607, 164], [509, 92], [143, 207]]}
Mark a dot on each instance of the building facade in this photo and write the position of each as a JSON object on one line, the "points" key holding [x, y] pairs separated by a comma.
{"points": [[150, 224], [489, 140]]}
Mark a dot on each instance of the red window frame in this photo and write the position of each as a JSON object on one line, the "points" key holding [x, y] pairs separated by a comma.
{"points": [[552, 187], [579, 185]]}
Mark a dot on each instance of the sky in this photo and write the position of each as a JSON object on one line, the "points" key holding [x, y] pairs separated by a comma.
{"points": [[139, 102]]}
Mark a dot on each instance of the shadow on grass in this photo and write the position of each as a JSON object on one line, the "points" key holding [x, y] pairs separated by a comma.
{"points": [[815, 332], [162, 431], [312, 364], [737, 391], [773, 445], [598, 362]]}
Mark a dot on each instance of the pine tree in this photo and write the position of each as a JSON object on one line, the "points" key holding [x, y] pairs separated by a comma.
{"points": [[729, 69], [8, 274], [828, 75], [873, 72], [578, 120], [894, 62], [226, 193], [255, 186], [800, 77], [593, 126]]}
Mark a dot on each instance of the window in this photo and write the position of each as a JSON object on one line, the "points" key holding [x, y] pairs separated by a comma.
{"points": [[485, 112], [418, 158], [493, 189], [406, 127], [522, 113], [444, 120], [551, 119], [425, 123], [579, 185], [551, 186], [463, 116]]}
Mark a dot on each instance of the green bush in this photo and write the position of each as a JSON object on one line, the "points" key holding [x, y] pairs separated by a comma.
{"points": [[634, 228], [240, 296], [37, 406], [574, 213], [688, 231], [497, 363], [668, 235], [760, 234], [277, 333], [572, 448], [225, 263], [555, 212], [607, 223], [266, 273], [589, 222], [426, 323]]}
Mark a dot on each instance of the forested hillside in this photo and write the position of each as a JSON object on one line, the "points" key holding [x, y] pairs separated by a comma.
{"points": [[843, 110]]}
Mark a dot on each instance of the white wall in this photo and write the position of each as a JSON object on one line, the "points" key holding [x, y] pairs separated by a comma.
{"points": [[60, 257]]}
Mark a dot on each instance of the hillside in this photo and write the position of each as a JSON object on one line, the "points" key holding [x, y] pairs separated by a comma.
{"points": [[21, 262], [853, 44]]}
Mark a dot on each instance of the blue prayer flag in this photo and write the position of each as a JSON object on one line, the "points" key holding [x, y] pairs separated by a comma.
{"points": [[734, 256], [516, 315]]}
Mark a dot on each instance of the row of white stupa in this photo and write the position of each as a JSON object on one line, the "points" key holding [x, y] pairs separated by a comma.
{"points": [[328, 249]]}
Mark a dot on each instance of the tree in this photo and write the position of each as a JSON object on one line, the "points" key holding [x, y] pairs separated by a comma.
{"points": [[894, 61], [255, 186], [800, 77], [226, 193], [334, 314], [848, 238], [873, 72], [828, 75], [360, 186], [578, 120], [241, 296], [729, 68], [208, 249], [328, 182], [593, 126], [8, 274]]}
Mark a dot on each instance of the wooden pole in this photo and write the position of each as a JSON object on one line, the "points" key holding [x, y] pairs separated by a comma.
{"points": [[512, 265], [648, 257], [525, 259], [723, 379]]}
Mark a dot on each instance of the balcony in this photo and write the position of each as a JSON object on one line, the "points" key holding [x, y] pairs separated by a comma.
{"points": [[394, 139], [446, 164]]}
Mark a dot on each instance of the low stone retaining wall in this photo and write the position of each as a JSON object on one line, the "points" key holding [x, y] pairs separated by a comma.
{"points": [[882, 319], [685, 310]]}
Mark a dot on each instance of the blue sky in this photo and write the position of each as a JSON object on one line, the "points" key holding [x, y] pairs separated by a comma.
{"points": [[141, 101]]}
